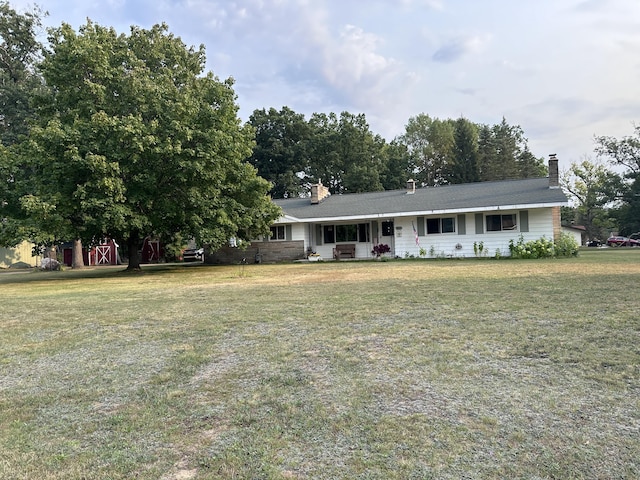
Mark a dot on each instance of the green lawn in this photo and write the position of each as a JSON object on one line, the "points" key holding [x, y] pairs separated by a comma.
{"points": [[375, 370]]}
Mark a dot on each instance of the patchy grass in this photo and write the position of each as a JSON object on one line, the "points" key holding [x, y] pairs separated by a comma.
{"points": [[386, 370]]}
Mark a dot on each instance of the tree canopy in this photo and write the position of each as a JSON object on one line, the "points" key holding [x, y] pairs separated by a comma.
{"points": [[593, 188], [625, 153], [136, 140], [20, 83], [19, 79], [280, 153], [343, 152]]}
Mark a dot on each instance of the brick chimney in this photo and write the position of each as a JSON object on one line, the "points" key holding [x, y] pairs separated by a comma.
{"points": [[411, 186], [318, 193], [554, 179]]}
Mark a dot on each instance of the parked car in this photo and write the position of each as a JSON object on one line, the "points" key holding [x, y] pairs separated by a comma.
{"points": [[594, 243], [193, 255], [618, 241]]}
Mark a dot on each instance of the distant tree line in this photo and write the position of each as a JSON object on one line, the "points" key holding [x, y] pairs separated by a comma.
{"points": [[342, 151]]}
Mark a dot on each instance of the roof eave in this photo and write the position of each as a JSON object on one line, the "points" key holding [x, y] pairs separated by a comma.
{"points": [[417, 213]]}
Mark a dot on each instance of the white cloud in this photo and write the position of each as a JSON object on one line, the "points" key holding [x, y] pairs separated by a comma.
{"points": [[564, 71], [353, 59]]}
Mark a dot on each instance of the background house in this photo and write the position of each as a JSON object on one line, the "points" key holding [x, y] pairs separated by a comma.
{"points": [[447, 220]]}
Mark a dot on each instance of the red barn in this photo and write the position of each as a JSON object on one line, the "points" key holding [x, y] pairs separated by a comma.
{"points": [[106, 253], [152, 251]]}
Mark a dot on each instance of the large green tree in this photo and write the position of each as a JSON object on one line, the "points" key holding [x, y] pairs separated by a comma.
{"points": [[138, 140], [502, 164], [593, 189], [396, 169], [280, 153], [344, 154], [464, 167], [503, 154], [625, 153], [430, 143]]}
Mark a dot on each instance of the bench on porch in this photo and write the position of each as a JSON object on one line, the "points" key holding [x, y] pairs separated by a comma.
{"points": [[344, 250]]}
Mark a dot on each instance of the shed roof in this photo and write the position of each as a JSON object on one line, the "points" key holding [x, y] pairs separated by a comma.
{"points": [[468, 197]]}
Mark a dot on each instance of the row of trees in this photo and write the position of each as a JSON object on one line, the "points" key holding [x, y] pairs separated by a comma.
{"points": [[125, 136], [342, 151]]}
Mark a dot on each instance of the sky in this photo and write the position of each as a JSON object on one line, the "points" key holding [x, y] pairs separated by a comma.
{"points": [[565, 71]]}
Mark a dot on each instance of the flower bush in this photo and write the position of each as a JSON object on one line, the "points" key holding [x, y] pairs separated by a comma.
{"points": [[541, 248], [566, 246], [380, 249]]}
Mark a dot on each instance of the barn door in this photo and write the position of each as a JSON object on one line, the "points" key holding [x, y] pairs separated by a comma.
{"points": [[154, 251], [103, 255]]}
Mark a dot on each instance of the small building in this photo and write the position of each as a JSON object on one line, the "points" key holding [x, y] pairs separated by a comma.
{"points": [[152, 251], [21, 254], [105, 253]]}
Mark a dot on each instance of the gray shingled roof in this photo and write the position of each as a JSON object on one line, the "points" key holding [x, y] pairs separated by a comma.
{"points": [[463, 197]]}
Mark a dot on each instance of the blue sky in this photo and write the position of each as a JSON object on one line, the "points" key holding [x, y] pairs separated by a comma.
{"points": [[564, 70]]}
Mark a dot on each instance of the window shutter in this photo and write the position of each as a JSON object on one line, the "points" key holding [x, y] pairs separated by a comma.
{"points": [[421, 226], [462, 224], [524, 220], [374, 231], [318, 234], [479, 226], [287, 233]]}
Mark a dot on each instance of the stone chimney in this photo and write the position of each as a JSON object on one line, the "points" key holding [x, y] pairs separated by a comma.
{"points": [[411, 186], [318, 193], [554, 179]]}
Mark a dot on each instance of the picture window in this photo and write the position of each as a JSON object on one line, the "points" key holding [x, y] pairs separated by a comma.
{"points": [[346, 233]]}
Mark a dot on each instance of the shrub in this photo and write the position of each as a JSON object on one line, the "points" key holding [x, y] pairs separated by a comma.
{"points": [[541, 248], [566, 246]]}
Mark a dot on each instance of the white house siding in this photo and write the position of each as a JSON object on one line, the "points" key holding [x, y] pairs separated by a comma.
{"points": [[540, 224], [403, 242], [299, 231]]}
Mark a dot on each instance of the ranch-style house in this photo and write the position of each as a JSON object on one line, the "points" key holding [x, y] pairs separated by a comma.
{"points": [[451, 221]]}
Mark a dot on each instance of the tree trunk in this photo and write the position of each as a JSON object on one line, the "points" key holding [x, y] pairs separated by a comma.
{"points": [[134, 257], [77, 260]]}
